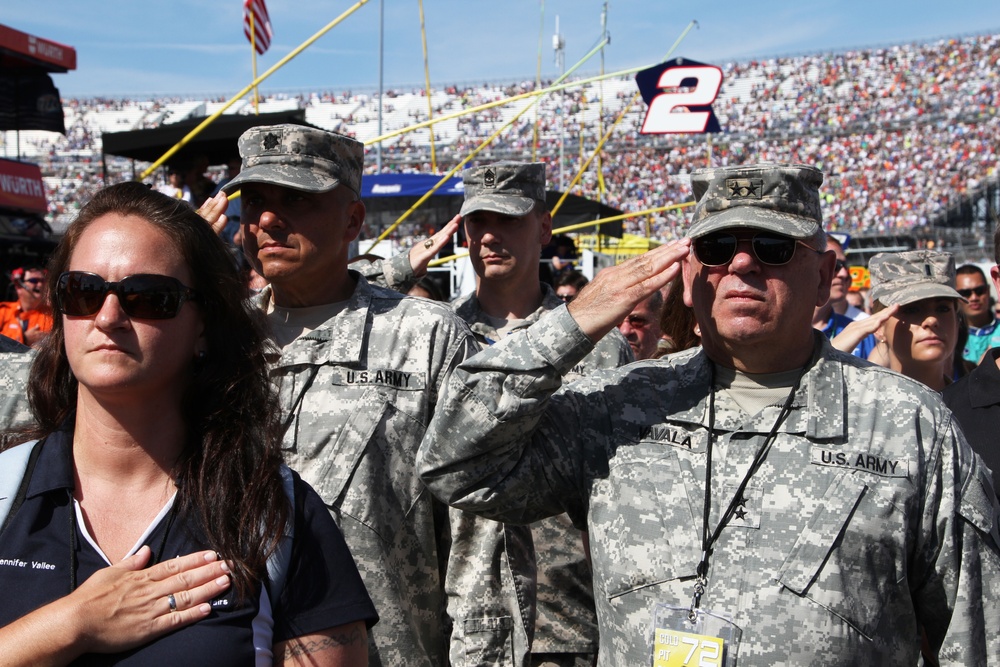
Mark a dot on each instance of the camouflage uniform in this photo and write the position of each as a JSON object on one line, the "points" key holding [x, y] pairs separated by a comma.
{"points": [[358, 393], [867, 522], [565, 619], [869, 518], [15, 364]]}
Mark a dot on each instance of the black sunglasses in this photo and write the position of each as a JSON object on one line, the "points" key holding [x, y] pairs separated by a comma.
{"points": [[146, 296], [978, 290], [719, 248]]}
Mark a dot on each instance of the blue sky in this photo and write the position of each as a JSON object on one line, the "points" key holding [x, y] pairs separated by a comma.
{"points": [[197, 47]]}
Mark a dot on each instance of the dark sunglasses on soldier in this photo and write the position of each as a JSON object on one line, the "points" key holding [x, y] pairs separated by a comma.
{"points": [[719, 248], [146, 296]]}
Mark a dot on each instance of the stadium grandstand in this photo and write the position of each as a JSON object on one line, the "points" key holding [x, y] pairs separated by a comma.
{"points": [[908, 135]]}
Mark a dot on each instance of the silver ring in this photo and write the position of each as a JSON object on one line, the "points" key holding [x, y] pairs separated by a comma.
{"points": [[172, 601], [429, 243]]}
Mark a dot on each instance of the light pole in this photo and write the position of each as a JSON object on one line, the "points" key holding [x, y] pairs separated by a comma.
{"points": [[559, 45]]}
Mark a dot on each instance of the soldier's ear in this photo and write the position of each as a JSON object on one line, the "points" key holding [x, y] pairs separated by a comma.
{"points": [[357, 219], [546, 228]]}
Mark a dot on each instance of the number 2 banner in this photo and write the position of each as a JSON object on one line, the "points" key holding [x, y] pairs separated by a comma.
{"points": [[673, 110]]}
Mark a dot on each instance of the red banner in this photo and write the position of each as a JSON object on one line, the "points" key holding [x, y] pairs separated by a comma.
{"points": [[38, 51], [21, 187], [261, 24]]}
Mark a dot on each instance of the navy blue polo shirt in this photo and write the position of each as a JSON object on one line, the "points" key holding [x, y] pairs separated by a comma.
{"points": [[323, 587]]}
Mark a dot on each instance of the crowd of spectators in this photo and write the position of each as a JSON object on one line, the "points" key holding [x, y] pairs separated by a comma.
{"points": [[902, 132]]}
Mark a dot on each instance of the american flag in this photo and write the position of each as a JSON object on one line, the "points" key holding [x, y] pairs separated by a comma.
{"points": [[261, 24]]}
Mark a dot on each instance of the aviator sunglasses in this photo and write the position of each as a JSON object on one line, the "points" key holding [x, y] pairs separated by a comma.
{"points": [[146, 296], [719, 248]]}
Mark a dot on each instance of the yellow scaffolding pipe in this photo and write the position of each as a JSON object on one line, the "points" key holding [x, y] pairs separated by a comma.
{"points": [[475, 151], [538, 80], [427, 80], [281, 63], [507, 100], [597, 151], [607, 135]]}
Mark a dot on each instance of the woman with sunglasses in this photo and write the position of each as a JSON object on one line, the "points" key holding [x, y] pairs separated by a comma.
{"points": [[155, 503]]}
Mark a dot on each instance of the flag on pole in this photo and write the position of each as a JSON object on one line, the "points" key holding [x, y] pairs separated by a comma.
{"points": [[261, 24]]}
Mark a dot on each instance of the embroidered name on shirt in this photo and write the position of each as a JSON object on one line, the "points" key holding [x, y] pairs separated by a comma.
{"points": [[17, 562], [387, 378], [872, 463], [666, 434]]}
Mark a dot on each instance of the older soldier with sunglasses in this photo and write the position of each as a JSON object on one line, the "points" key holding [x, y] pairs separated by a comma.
{"points": [[765, 498]]}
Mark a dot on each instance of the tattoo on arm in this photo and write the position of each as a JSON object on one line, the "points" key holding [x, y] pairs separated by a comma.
{"points": [[298, 647]]}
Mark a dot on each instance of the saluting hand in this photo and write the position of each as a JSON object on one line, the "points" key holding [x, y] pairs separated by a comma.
{"points": [[423, 252], [617, 290]]}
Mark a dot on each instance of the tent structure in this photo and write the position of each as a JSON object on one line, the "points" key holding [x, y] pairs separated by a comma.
{"points": [[28, 101], [218, 141], [28, 98]]}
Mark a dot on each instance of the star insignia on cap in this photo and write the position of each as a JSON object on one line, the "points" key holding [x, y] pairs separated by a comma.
{"points": [[744, 188], [270, 141], [741, 514]]}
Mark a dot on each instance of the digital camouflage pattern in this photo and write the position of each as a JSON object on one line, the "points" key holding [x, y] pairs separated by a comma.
{"points": [[781, 198], [394, 272], [869, 518], [358, 393], [509, 188], [15, 364], [299, 157], [566, 621], [904, 277]]}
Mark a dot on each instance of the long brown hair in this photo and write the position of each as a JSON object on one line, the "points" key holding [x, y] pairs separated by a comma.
{"points": [[228, 474]]}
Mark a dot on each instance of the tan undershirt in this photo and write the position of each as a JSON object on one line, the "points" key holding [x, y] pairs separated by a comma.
{"points": [[754, 391], [287, 324]]}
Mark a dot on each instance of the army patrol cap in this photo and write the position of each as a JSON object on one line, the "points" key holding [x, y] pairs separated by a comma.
{"points": [[780, 198], [904, 277], [508, 188], [299, 157]]}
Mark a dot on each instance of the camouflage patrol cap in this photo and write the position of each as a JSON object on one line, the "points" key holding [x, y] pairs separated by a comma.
{"points": [[299, 157], [905, 277], [780, 198], [509, 188]]}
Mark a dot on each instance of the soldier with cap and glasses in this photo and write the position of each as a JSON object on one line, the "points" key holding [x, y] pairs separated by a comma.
{"points": [[765, 499], [360, 370]]}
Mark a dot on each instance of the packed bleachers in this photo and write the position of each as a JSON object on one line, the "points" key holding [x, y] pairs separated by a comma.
{"points": [[901, 132]]}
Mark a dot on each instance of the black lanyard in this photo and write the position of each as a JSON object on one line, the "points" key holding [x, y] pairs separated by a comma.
{"points": [[708, 539]]}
